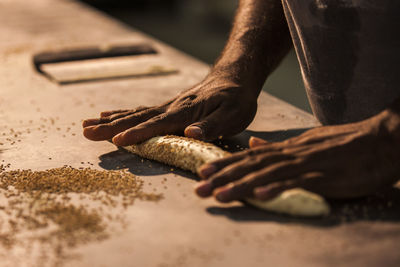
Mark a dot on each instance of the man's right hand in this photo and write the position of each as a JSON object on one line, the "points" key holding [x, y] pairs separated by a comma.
{"points": [[225, 102], [215, 107]]}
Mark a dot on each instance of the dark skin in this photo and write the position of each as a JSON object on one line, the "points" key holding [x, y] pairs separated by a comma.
{"points": [[344, 161]]}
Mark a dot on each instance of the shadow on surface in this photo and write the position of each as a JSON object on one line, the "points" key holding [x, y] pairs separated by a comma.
{"points": [[383, 206], [247, 214], [241, 141], [121, 159]]}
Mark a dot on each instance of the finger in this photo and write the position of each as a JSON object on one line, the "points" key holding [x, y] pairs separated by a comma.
{"points": [[210, 128], [272, 190], [255, 142], [111, 116], [113, 112], [102, 120], [244, 187], [90, 122], [320, 134], [159, 125], [208, 169], [236, 171], [108, 130]]}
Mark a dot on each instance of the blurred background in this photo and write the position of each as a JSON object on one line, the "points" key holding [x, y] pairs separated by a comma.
{"points": [[200, 28]]}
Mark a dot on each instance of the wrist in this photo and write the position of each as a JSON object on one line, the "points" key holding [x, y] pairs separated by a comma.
{"points": [[239, 75]]}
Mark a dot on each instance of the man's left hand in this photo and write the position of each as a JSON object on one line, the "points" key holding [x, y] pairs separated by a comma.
{"points": [[344, 161]]}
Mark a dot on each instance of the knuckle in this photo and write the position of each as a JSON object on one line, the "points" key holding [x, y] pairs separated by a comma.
{"points": [[228, 160], [113, 117], [221, 179], [116, 119], [219, 163], [119, 121], [104, 113], [102, 127], [243, 185], [254, 160], [103, 120], [188, 98], [255, 179], [113, 123], [161, 117], [239, 188], [208, 132], [254, 152], [300, 160]]}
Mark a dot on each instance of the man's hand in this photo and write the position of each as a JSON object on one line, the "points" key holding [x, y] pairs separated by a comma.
{"points": [[216, 107], [343, 161], [226, 101]]}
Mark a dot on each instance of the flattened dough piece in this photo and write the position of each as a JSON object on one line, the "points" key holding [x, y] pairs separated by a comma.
{"points": [[189, 154]]}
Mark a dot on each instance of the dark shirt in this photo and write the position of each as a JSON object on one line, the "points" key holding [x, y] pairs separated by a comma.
{"points": [[349, 53]]}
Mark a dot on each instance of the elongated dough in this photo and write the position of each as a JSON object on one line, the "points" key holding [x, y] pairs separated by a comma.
{"points": [[296, 202], [189, 154]]}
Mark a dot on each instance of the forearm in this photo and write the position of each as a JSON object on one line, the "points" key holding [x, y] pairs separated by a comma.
{"points": [[258, 41]]}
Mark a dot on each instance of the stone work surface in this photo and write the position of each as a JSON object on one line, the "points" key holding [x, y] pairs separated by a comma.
{"points": [[40, 133]]}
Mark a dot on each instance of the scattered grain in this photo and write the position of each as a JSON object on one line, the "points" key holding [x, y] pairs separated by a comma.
{"points": [[64, 207]]}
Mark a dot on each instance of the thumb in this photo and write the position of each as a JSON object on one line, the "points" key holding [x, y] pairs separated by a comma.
{"points": [[255, 142], [194, 131], [210, 128]]}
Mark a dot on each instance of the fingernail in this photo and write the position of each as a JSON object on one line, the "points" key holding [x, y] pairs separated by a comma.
{"points": [[87, 131], [203, 189], [260, 192], [89, 128], [105, 114], [90, 122], [255, 141], [194, 132], [223, 195], [207, 170], [264, 193], [117, 139]]}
